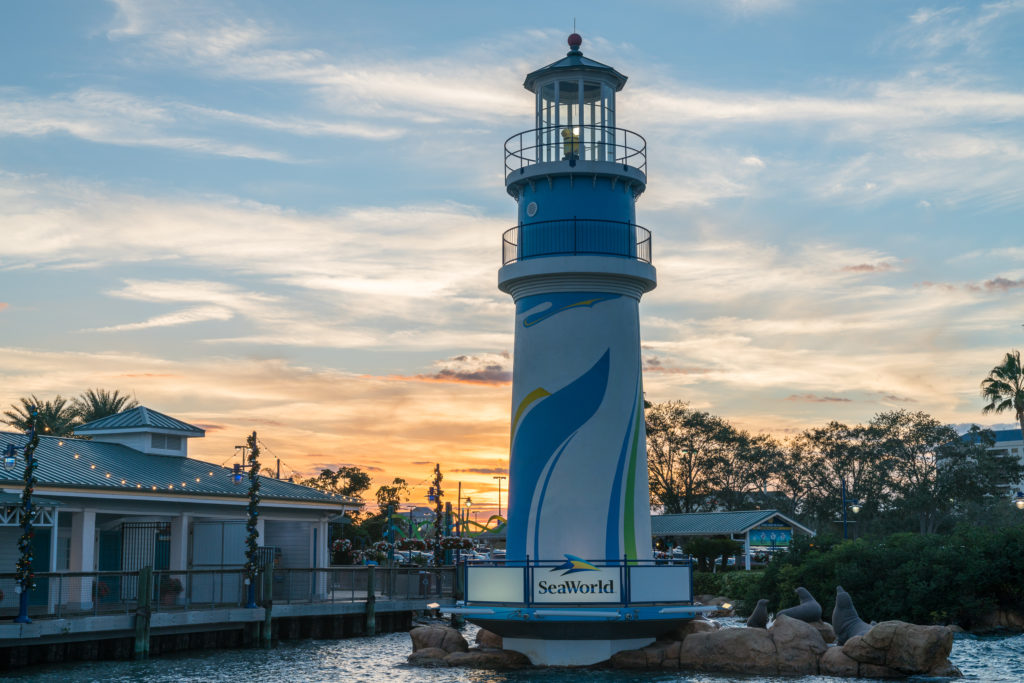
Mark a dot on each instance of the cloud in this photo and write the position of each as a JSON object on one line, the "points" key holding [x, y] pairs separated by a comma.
{"points": [[483, 470], [936, 30], [183, 317], [812, 398], [869, 268], [996, 284], [3, 305]]}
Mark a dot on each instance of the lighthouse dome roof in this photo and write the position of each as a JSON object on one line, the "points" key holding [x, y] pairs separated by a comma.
{"points": [[574, 63]]}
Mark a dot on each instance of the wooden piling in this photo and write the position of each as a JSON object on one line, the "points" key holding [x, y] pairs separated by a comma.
{"points": [[143, 612], [371, 602], [268, 606]]}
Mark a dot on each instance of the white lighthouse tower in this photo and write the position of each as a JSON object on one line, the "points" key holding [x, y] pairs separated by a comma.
{"points": [[579, 582], [576, 266]]}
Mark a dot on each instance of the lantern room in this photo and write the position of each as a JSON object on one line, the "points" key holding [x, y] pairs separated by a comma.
{"points": [[575, 107]]}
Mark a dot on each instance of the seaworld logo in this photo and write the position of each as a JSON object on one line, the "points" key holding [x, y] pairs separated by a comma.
{"points": [[576, 587], [574, 564]]}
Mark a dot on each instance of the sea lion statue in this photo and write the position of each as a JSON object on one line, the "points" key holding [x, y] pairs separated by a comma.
{"points": [[845, 620], [759, 618], [808, 610]]}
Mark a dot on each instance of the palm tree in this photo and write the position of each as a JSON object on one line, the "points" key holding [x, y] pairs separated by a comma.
{"points": [[1004, 388], [94, 404], [56, 417]]}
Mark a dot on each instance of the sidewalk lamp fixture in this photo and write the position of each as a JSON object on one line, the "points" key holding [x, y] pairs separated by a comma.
{"points": [[1018, 500], [10, 457], [854, 505], [236, 475]]}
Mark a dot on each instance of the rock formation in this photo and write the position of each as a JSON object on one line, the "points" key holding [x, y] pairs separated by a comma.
{"points": [[845, 620], [808, 610], [440, 646]]}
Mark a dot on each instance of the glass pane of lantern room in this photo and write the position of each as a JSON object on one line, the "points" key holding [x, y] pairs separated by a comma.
{"points": [[547, 142], [608, 114], [592, 120], [568, 117]]}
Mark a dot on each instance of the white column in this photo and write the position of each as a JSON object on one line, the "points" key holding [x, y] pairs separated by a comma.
{"points": [[746, 549], [179, 541], [322, 557], [55, 585], [261, 529], [83, 554]]}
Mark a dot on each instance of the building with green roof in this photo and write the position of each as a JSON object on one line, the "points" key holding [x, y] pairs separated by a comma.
{"points": [[123, 494]]}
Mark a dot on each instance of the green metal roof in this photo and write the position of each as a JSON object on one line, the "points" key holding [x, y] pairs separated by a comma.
{"points": [[136, 418], [715, 523], [10, 498], [575, 61], [104, 466]]}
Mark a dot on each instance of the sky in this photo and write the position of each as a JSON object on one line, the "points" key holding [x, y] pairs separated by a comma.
{"points": [[287, 217]]}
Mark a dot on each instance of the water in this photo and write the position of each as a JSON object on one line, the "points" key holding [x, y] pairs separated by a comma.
{"points": [[382, 660]]}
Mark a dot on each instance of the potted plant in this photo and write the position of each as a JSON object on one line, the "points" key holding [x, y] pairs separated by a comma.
{"points": [[170, 588]]}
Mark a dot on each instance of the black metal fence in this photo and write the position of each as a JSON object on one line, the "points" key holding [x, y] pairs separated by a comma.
{"points": [[68, 594], [574, 143], [576, 236]]}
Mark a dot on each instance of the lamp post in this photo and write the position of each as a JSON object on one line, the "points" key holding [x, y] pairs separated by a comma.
{"points": [[499, 477], [1018, 500], [855, 505], [465, 522]]}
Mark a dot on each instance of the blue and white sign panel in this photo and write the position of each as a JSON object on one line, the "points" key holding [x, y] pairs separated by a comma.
{"points": [[495, 584], [589, 586], [662, 583]]}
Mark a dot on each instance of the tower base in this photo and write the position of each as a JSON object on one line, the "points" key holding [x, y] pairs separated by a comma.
{"points": [[543, 652]]}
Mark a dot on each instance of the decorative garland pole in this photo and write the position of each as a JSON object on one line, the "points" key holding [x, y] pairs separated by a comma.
{"points": [[438, 516], [24, 577], [251, 548]]}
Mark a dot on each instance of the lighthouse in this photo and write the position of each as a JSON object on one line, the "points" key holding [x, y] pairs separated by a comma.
{"points": [[576, 265], [579, 582]]}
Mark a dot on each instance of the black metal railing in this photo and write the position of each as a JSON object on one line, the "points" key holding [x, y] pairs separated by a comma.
{"points": [[576, 236], [574, 143], [71, 594]]}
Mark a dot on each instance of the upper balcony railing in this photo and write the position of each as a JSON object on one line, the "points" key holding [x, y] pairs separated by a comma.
{"points": [[576, 236], [574, 143]]}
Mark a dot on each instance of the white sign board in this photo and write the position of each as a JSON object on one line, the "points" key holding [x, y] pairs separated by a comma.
{"points": [[494, 584], [591, 585], [661, 583]]}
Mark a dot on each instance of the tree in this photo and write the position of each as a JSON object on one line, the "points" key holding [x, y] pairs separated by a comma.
{"points": [[933, 472], [1004, 388], [391, 495], [347, 480], [56, 417], [94, 404]]}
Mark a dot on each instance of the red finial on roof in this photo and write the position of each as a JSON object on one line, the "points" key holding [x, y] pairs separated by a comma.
{"points": [[575, 40]]}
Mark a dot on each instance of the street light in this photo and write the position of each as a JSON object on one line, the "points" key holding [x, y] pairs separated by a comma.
{"points": [[499, 477], [855, 505], [1018, 500], [469, 504]]}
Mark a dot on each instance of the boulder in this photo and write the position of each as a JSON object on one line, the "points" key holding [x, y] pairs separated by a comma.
{"points": [[442, 637], [905, 648], [835, 663], [826, 631], [696, 625], [485, 638], [730, 650], [629, 659], [488, 659], [856, 648], [878, 671], [428, 657], [912, 649], [798, 646]]}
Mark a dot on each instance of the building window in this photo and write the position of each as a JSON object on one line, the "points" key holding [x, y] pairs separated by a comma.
{"points": [[166, 442]]}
